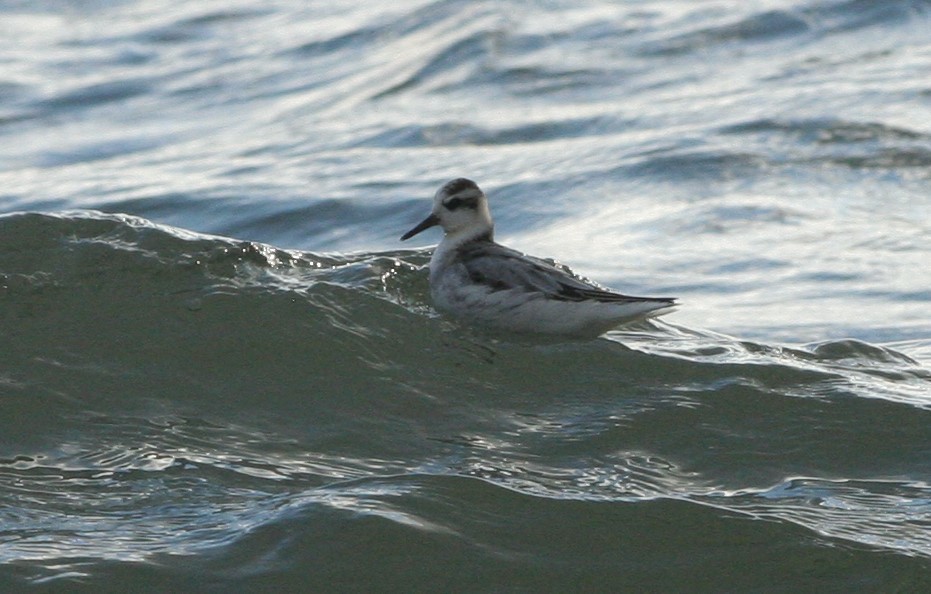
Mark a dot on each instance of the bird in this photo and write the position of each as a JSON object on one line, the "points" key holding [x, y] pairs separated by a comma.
{"points": [[483, 283]]}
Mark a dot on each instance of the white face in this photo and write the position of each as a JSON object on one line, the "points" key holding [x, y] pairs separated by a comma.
{"points": [[460, 204], [459, 207]]}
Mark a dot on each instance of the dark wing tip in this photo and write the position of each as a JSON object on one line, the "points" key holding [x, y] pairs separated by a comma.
{"points": [[571, 293]]}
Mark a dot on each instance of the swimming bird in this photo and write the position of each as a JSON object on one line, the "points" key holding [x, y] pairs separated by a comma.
{"points": [[482, 282]]}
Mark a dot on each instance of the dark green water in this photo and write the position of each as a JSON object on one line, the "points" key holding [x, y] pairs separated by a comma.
{"points": [[219, 371]]}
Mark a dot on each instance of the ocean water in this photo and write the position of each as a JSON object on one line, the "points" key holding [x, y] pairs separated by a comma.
{"points": [[221, 371]]}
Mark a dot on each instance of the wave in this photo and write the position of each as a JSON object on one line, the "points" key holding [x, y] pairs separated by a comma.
{"points": [[178, 392]]}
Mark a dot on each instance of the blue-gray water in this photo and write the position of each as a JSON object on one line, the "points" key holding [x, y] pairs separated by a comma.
{"points": [[220, 370]]}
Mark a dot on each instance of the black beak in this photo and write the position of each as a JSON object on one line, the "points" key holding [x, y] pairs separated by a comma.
{"points": [[424, 224]]}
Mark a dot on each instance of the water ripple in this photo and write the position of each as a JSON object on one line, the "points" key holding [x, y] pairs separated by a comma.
{"points": [[236, 380]]}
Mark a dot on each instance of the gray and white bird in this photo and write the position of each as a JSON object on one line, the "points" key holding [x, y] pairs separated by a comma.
{"points": [[482, 282]]}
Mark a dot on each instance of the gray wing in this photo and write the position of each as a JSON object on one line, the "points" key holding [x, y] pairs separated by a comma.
{"points": [[501, 268]]}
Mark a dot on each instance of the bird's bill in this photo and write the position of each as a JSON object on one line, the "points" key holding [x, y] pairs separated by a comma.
{"points": [[428, 222]]}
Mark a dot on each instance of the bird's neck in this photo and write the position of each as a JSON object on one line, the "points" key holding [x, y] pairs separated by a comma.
{"points": [[463, 236], [447, 248]]}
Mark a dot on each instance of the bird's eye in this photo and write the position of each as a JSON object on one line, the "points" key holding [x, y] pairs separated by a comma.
{"points": [[454, 203]]}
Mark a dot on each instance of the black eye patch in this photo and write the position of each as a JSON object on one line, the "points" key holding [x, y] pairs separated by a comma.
{"points": [[455, 203]]}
